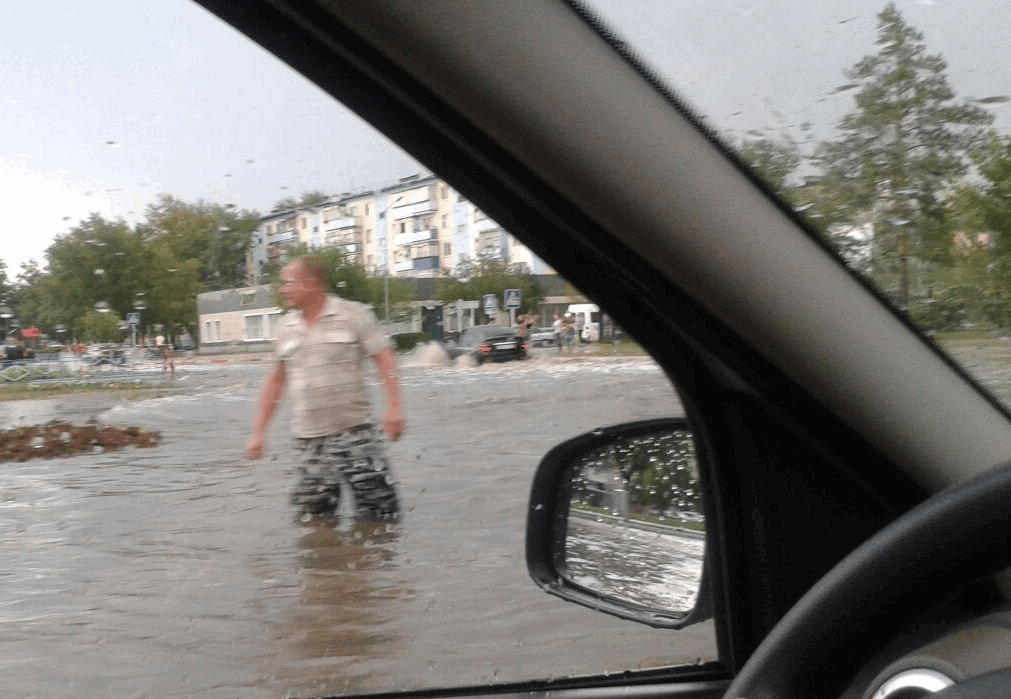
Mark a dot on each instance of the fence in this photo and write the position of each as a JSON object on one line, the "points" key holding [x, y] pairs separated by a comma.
{"points": [[102, 365]]}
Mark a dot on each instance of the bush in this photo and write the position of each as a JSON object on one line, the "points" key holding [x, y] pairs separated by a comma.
{"points": [[47, 351], [408, 341]]}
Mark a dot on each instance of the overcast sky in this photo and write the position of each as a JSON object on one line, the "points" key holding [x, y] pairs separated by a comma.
{"points": [[102, 114]]}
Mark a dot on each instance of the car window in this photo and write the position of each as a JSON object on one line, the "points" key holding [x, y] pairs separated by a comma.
{"points": [[884, 124], [166, 168]]}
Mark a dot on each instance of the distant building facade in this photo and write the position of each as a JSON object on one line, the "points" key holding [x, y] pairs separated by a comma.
{"points": [[415, 227]]}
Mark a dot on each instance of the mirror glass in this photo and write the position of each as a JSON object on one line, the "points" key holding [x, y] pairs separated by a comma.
{"points": [[635, 530]]}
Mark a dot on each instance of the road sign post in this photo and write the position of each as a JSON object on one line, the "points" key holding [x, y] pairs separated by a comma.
{"points": [[490, 305]]}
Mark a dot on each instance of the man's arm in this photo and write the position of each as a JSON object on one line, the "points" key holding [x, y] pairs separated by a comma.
{"points": [[273, 388], [393, 421]]}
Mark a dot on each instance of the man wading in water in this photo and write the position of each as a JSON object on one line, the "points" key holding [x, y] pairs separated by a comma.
{"points": [[322, 348]]}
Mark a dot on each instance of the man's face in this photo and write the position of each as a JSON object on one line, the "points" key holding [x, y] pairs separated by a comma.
{"points": [[297, 286]]}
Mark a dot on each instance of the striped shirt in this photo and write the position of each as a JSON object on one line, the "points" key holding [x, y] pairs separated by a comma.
{"points": [[326, 366]]}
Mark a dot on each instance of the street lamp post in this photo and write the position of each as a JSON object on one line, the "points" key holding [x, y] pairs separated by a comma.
{"points": [[139, 304]]}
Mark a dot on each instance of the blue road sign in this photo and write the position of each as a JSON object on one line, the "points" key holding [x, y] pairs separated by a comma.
{"points": [[512, 298]]}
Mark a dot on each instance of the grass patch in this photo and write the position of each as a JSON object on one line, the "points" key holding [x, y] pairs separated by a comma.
{"points": [[621, 348], [121, 389]]}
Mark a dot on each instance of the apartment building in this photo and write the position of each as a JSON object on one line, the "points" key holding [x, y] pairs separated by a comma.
{"points": [[417, 226]]}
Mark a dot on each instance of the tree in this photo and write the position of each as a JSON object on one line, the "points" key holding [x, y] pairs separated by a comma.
{"points": [[981, 281], [96, 261], [286, 204], [350, 280], [215, 235], [5, 284], [100, 327], [900, 152], [489, 275], [311, 198], [774, 159]]}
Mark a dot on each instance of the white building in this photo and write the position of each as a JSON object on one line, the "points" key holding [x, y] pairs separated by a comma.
{"points": [[417, 226]]}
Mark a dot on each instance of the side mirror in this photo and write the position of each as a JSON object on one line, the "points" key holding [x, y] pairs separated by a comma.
{"points": [[616, 524]]}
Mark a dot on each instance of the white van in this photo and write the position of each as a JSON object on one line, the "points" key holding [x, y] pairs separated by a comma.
{"points": [[587, 317]]}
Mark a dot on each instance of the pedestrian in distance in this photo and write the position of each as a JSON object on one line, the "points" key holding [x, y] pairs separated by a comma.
{"points": [[567, 332], [168, 362], [321, 352]]}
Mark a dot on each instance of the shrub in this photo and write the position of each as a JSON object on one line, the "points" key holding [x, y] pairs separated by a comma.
{"points": [[408, 341]]}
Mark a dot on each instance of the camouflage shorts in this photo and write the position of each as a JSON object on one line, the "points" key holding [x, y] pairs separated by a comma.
{"points": [[356, 459]]}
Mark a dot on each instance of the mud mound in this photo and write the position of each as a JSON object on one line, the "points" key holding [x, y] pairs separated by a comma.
{"points": [[57, 439]]}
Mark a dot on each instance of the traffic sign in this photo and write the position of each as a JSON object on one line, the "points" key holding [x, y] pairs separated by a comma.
{"points": [[490, 303], [512, 298], [133, 319]]}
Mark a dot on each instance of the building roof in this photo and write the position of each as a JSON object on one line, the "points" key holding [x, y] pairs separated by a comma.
{"points": [[241, 299]]}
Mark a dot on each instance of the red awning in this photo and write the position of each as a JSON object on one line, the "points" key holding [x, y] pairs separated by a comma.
{"points": [[31, 332]]}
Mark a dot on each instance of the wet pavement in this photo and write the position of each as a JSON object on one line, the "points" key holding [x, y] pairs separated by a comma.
{"points": [[183, 571]]}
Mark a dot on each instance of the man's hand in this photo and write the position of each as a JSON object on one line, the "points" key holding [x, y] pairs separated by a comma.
{"points": [[254, 447], [393, 423]]}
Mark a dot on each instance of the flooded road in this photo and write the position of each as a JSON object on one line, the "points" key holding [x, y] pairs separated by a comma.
{"points": [[183, 571]]}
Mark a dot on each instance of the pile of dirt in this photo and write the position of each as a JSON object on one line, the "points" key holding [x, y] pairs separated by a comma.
{"points": [[57, 439]]}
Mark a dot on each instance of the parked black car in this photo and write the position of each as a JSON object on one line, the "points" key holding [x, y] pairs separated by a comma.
{"points": [[495, 343]]}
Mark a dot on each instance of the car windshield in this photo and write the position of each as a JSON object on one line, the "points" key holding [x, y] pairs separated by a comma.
{"points": [[885, 124], [165, 168]]}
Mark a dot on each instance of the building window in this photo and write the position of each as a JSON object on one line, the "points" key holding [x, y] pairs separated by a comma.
{"points": [[207, 331], [366, 209], [368, 235], [447, 249], [403, 227], [303, 222], [445, 221], [368, 261], [353, 211], [254, 327], [217, 328]]}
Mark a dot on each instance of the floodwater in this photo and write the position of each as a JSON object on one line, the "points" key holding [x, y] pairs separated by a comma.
{"points": [[182, 571]]}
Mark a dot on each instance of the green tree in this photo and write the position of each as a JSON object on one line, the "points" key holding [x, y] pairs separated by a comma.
{"points": [[96, 261], [981, 212], [218, 237], [775, 159], [100, 327], [5, 283], [310, 198], [350, 280], [900, 153], [489, 275], [286, 204]]}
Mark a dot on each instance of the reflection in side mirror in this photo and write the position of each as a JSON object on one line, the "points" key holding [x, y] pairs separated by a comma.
{"points": [[635, 530], [620, 526]]}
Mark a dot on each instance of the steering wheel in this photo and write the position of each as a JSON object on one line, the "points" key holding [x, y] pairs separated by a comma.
{"points": [[956, 536]]}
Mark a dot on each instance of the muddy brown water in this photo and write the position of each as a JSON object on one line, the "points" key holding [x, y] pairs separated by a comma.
{"points": [[182, 570]]}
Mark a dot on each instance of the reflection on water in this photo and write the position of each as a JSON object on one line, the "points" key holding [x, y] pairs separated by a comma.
{"points": [[183, 571], [355, 565]]}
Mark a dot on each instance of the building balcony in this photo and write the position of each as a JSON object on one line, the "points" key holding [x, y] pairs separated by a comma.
{"points": [[412, 237], [340, 224], [417, 265], [485, 225], [430, 250], [342, 239], [416, 209], [352, 247], [283, 237]]}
